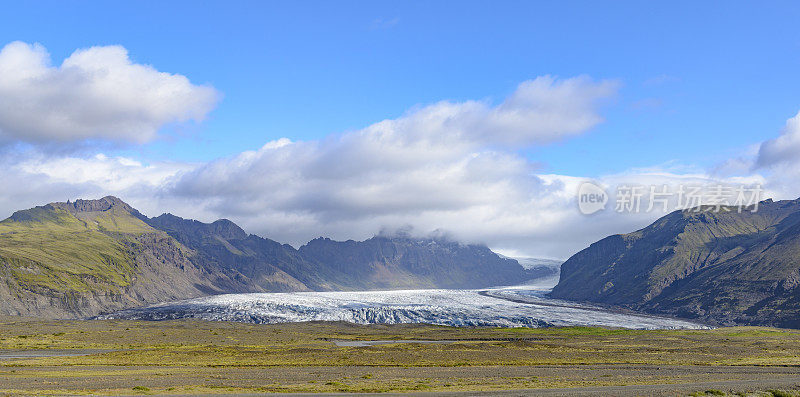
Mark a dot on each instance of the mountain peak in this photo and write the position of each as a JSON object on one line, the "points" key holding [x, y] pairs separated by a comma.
{"points": [[103, 204], [227, 229], [222, 227]]}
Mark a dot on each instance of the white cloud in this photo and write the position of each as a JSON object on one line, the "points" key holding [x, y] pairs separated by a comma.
{"points": [[439, 167], [544, 110], [114, 174], [433, 168], [490, 197], [39, 178], [777, 159], [783, 149], [539, 111], [97, 93]]}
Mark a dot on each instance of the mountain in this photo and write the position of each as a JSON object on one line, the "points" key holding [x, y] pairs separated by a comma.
{"points": [[396, 262], [252, 263], [76, 259], [402, 262], [723, 268], [82, 258]]}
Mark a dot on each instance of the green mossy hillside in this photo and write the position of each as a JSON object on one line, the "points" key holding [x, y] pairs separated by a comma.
{"points": [[50, 249]]}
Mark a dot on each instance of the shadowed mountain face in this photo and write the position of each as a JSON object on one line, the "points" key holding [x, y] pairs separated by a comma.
{"points": [[323, 264], [405, 263], [92, 256], [724, 268], [250, 263]]}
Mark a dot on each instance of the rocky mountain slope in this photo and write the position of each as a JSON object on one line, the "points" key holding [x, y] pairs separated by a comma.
{"points": [[723, 268], [87, 257], [402, 262], [397, 262], [76, 259], [252, 263]]}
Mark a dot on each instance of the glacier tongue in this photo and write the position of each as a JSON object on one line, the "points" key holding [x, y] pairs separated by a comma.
{"points": [[523, 306]]}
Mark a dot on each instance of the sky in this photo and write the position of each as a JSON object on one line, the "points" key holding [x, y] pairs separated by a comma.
{"points": [[474, 119]]}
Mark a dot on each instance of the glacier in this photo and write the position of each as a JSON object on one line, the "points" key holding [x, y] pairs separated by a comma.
{"points": [[519, 306]]}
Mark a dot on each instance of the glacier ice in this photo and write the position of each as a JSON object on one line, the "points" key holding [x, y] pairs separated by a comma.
{"points": [[523, 306]]}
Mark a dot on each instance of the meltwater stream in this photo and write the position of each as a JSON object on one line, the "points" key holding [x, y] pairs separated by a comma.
{"points": [[520, 306]]}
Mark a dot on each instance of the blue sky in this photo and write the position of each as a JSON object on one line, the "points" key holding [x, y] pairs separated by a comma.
{"points": [[700, 80], [538, 96]]}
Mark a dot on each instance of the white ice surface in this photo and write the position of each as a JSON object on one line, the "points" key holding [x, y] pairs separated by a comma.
{"points": [[521, 306]]}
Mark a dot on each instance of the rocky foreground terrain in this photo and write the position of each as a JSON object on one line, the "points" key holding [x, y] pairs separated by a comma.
{"points": [[723, 268], [83, 258]]}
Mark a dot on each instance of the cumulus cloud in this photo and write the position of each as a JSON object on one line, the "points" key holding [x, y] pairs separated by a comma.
{"points": [[434, 167], [38, 178], [443, 166], [783, 149], [539, 111], [96, 93], [544, 110], [777, 159], [115, 174]]}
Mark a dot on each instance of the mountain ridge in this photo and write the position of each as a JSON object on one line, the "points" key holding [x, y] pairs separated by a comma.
{"points": [[87, 257], [726, 268]]}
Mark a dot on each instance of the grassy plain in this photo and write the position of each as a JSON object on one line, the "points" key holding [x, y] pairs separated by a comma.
{"points": [[191, 357]]}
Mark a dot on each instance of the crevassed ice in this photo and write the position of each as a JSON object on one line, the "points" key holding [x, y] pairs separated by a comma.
{"points": [[523, 306]]}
